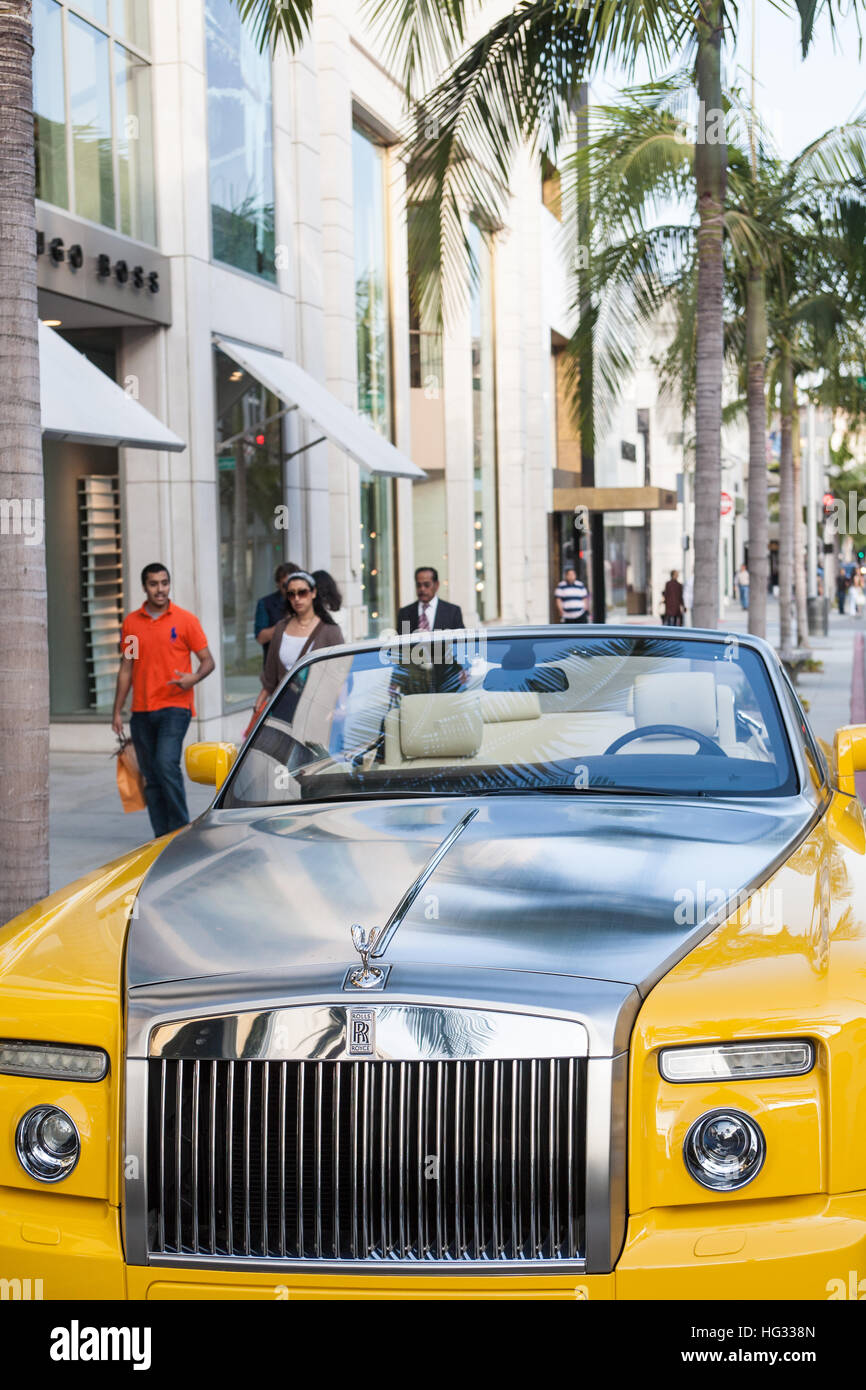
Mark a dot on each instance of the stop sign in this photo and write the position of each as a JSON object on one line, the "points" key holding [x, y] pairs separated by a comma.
{"points": [[727, 504]]}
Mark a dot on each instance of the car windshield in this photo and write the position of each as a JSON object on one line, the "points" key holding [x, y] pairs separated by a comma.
{"points": [[446, 717]]}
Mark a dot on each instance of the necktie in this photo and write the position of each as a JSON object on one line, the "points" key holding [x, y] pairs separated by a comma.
{"points": [[423, 624]]}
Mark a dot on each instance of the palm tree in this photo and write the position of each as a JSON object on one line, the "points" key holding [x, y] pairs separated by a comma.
{"points": [[23, 649], [641, 162], [518, 84]]}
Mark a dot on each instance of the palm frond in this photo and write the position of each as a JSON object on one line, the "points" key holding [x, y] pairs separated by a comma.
{"points": [[516, 86], [273, 20], [420, 38]]}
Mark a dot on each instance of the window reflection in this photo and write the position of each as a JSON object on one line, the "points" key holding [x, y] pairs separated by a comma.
{"points": [[372, 334], [90, 111], [240, 143], [249, 469], [49, 104], [486, 529], [132, 21], [134, 143], [109, 152]]}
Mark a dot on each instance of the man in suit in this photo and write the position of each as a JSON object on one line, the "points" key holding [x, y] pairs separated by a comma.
{"points": [[430, 613]]}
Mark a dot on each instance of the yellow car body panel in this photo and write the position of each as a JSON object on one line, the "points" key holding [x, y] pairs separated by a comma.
{"points": [[790, 963], [61, 980]]}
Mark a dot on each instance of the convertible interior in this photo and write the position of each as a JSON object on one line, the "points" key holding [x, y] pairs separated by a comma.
{"points": [[521, 723]]}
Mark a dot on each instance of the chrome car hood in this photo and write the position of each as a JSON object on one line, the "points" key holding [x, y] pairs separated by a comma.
{"points": [[537, 894]]}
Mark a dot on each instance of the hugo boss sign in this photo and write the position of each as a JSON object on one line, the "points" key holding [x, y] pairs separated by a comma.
{"points": [[85, 262]]}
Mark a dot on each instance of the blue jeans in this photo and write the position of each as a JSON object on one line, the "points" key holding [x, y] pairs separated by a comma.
{"points": [[158, 738], [744, 595]]}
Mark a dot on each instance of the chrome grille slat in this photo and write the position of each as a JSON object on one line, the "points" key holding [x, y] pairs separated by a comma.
{"points": [[211, 1148], [178, 1130], [282, 1159], [299, 1163], [379, 1161], [195, 1085]]}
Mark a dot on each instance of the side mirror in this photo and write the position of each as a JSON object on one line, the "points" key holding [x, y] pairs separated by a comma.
{"points": [[849, 749], [210, 763]]}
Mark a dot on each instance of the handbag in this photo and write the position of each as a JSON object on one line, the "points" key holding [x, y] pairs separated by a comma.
{"points": [[130, 782]]}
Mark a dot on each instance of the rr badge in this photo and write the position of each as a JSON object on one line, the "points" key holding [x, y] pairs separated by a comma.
{"points": [[362, 1032]]}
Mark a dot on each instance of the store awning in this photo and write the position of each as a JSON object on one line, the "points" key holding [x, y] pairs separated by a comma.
{"points": [[342, 426], [81, 403]]}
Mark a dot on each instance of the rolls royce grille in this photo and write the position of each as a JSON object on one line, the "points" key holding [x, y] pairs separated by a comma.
{"points": [[412, 1162]]}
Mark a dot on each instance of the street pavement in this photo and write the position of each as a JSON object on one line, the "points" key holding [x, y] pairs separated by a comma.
{"points": [[826, 694], [88, 827]]}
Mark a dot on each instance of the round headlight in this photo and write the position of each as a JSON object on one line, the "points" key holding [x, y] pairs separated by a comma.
{"points": [[724, 1150], [47, 1143]]}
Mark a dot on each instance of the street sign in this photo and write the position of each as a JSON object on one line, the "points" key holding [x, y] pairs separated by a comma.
{"points": [[727, 504]]}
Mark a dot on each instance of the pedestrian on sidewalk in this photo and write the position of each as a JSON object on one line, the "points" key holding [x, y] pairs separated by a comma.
{"points": [[271, 609], [157, 642], [743, 584], [673, 602], [572, 598], [308, 627], [430, 613], [329, 593], [841, 589]]}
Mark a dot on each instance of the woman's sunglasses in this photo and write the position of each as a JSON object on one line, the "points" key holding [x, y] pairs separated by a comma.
{"points": [[295, 593]]}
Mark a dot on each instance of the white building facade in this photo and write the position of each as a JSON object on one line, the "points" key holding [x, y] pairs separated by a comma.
{"points": [[196, 197]]}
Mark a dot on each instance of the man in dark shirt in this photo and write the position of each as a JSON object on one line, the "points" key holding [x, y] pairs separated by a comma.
{"points": [[272, 608], [674, 610]]}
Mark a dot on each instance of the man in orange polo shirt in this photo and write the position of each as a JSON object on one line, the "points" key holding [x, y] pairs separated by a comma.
{"points": [[156, 642]]}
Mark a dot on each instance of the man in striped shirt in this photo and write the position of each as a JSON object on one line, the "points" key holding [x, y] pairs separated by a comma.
{"points": [[572, 599]]}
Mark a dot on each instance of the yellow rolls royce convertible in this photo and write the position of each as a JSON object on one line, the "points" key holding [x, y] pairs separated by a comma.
{"points": [[528, 963]]}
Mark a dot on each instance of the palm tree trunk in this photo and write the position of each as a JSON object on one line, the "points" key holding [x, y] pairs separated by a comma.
{"points": [[759, 538], [786, 505], [710, 176], [23, 648], [799, 548]]}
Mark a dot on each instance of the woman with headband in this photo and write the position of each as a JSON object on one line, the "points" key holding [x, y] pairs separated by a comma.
{"points": [[307, 628]]}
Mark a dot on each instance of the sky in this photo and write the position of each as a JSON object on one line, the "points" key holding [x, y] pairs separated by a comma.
{"points": [[798, 100]]}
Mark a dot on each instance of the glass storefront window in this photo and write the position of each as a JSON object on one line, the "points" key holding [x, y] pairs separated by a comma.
{"points": [[240, 143], [90, 112], [486, 527], [132, 21], [94, 9], [250, 472], [134, 142], [95, 156], [49, 104], [373, 348]]}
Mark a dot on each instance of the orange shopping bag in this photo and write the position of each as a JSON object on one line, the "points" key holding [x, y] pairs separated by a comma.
{"points": [[130, 782]]}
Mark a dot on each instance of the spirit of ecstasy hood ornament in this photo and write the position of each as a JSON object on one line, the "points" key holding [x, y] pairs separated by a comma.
{"points": [[364, 939]]}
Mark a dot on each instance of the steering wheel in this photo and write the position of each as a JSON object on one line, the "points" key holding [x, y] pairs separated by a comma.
{"points": [[705, 743]]}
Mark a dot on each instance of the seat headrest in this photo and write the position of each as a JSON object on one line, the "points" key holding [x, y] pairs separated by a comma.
{"points": [[687, 698], [441, 726], [501, 706]]}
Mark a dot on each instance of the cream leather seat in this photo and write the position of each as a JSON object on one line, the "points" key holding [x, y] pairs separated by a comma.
{"points": [[687, 698], [693, 700]]}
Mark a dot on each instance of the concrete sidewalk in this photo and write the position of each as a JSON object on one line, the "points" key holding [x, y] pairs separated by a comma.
{"points": [[88, 827], [826, 693]]}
